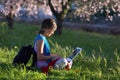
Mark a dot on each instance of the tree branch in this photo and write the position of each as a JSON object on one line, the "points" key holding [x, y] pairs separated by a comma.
{"points": [[52, 8], [62, 14]]}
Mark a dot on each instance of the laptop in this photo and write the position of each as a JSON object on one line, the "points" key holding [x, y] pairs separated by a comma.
{"points": [[75, 53]]}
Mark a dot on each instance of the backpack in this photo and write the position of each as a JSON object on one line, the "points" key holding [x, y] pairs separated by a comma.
{"points": [[24, 56]]}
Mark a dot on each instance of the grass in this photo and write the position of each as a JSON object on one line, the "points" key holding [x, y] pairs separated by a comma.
{"points": [[99, 60]]}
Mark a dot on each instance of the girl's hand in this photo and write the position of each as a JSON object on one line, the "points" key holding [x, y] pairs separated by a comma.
{"points": [[55, 57]]}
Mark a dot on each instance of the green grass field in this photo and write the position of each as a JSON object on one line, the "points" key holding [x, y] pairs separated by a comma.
{"points": [[99, 60]]}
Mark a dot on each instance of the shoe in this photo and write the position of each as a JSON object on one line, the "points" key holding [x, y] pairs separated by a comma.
{"points": [[60, 64]]}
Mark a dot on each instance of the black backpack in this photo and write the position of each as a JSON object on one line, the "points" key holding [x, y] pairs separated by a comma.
{"points": [[24, 56]]}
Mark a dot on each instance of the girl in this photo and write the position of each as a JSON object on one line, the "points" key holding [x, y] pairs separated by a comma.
{"points": [[41, 45]]}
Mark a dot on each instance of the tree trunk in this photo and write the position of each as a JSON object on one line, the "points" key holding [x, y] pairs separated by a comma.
{"points": [[59, 28], [59, 15]]}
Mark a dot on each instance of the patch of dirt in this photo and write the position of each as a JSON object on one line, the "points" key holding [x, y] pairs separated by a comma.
{"points": [[100, 28]]}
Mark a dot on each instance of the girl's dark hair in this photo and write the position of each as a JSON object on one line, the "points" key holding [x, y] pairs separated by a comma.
{"points": [[47, 24]]}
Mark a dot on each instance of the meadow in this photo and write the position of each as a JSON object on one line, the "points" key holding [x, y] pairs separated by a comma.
{"points": [[99, 60]]}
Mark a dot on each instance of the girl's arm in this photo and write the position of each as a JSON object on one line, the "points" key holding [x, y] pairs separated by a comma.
{"points": [[40, 46]]}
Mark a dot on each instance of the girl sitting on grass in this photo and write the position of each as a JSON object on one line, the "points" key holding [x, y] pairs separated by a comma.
{"points": [[41, 46]]}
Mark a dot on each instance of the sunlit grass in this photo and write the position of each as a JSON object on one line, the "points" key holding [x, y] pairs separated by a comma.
{"points": [[99, 60]]}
